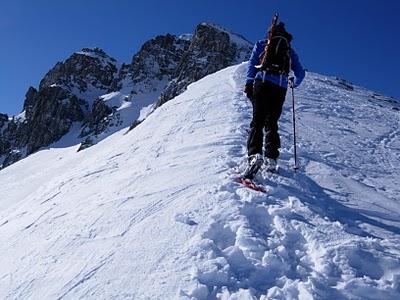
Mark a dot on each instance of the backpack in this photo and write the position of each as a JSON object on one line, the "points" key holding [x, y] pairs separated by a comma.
{"points": [[275, 58]]}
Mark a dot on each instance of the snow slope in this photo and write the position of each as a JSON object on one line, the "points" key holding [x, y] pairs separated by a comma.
{"points": [[155, 213]]}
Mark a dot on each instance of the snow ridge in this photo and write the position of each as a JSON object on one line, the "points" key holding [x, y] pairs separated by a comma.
{"points": [[158, 206]]}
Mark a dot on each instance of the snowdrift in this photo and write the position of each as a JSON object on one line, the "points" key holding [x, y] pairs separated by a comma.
{"points": [[154, 213]]}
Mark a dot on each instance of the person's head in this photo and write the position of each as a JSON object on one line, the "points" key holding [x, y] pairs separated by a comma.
{"points": [[280, 30]]}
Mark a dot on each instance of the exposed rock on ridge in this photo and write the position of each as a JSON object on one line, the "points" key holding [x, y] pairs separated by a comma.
{"points": [[65, 96], [89, 68], [157, 59], [212, 48]]}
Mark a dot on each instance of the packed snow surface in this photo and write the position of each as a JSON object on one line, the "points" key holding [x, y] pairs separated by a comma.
{"points": [[155, 213]]}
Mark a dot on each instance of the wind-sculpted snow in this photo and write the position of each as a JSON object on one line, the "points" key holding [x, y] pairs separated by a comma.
{"points": [[155, 213]]}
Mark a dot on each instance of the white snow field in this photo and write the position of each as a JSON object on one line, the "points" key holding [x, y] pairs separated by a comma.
{"points": [[155, 213]]}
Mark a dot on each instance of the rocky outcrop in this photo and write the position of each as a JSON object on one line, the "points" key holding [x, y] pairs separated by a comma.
{"points": [[30, 97], [48, 119], [12, 157], [66, 95], [51, 117], [3, 120], [97, 120], [4, 144], [88, 69], [212, 48], [8, 138], [156, 61]]}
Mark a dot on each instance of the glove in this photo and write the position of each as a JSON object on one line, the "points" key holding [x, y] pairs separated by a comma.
{"points": [[292, 83], [248, 90]]}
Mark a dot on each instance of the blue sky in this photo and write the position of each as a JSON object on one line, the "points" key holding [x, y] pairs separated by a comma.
{"points": [[354, 39]]}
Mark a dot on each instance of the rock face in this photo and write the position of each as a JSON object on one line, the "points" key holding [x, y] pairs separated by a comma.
{"points": [[4, 144], [89, 69], [212, 48], [3, 120], [157, 60], [49, 116], [65, 95], [91, 89], [30, 98], [62, 109], [96, 122]]}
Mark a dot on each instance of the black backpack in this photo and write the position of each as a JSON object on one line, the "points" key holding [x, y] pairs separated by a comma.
{"points": [[275, 58]]}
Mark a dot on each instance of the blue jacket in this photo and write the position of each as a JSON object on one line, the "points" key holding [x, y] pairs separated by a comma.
{"points": [[282, 80]]}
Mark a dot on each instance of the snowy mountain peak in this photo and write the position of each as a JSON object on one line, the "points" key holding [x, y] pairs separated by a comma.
{"points": [[236, 38], [186, 36], [95, 52], [157, 61], [211, 49], [84, 70]]}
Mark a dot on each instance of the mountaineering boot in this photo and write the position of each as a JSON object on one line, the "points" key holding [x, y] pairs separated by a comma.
{"points": [[254, 164], [271, 164]]}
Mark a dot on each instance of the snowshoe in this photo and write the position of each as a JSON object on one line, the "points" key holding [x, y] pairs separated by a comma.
{"points": [[254, 164], [248, 183]]}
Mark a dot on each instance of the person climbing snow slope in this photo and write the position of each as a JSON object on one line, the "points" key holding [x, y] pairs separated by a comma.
{"points": [[266, 85]]}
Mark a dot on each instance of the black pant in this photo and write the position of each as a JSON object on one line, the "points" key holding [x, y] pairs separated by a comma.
{"points": [[267, 108]]}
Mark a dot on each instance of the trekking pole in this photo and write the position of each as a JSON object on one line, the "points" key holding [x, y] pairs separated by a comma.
{"points": [[291, 84]]}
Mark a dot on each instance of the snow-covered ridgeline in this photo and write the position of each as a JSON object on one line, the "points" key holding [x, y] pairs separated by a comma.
{"points": [[155, 214]]}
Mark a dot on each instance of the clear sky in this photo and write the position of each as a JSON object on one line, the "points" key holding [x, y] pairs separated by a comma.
{"points": [[354, 39]]}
